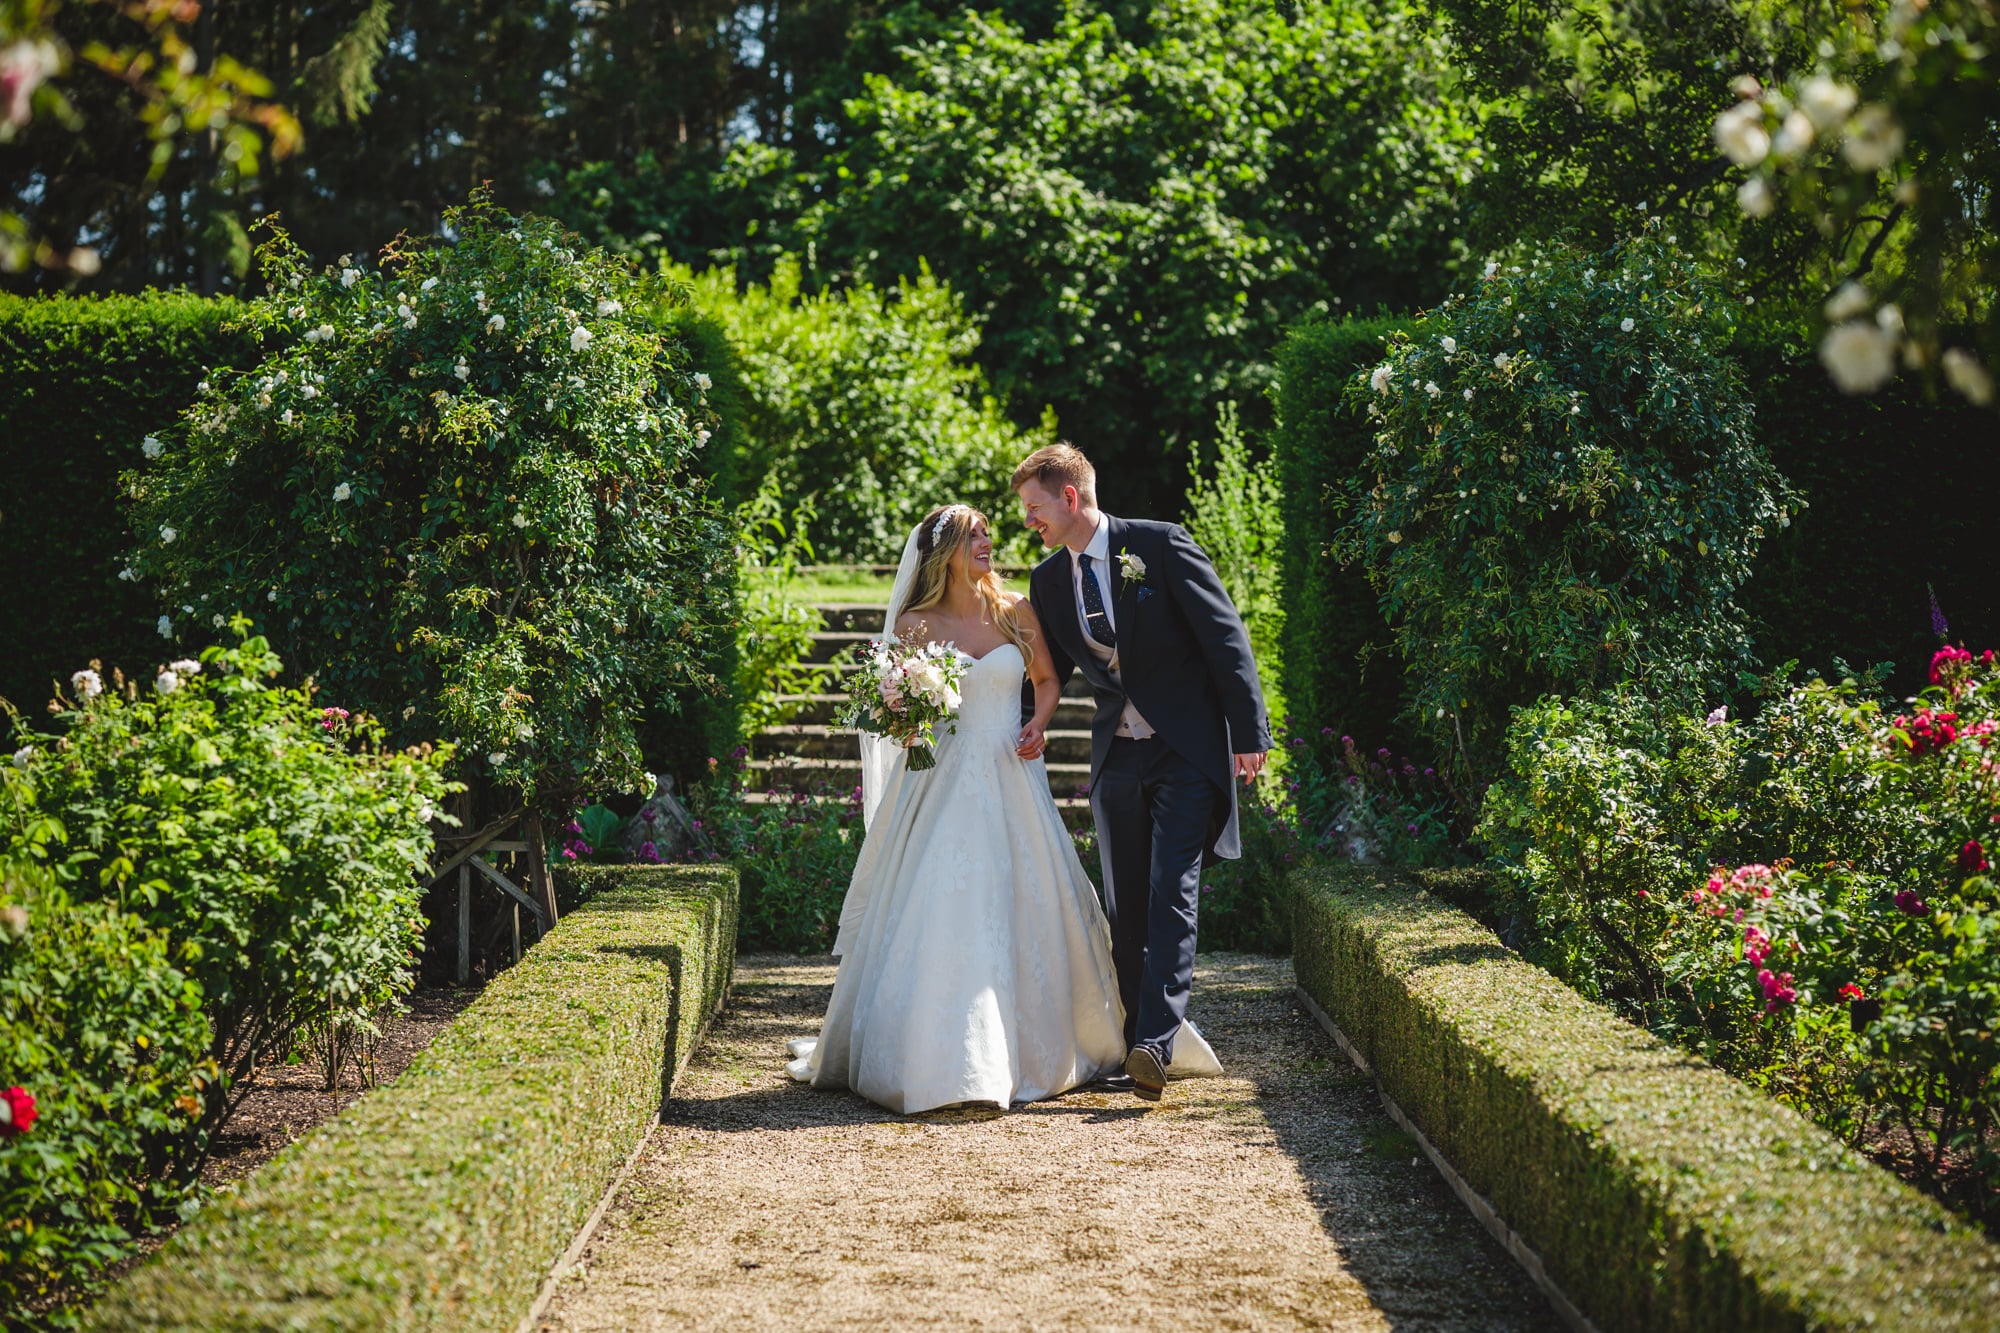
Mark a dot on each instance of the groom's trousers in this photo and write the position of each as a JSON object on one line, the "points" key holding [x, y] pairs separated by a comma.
{"points": [[1154, 813]]}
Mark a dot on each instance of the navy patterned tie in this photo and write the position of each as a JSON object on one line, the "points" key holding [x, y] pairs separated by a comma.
{"points": [[1094, 618]]}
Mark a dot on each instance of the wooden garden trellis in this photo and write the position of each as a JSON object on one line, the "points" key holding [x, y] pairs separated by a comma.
{"points": [[518, 832]]}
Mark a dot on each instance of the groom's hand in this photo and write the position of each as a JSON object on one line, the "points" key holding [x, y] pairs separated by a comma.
{"points": [[1031, 743], [1248, 766]]}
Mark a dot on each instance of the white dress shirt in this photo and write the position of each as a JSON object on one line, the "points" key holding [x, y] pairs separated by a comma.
{"points": [[1099, 551]]}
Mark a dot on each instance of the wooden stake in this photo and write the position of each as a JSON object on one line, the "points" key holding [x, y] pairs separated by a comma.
{"points": [[464, 972], [541, 883]]}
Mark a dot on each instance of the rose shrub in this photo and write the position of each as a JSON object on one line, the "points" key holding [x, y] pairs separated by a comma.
{"points": [[104, 1057], [1806, 898], [274, 843], [459, 493], [1565, 491]]}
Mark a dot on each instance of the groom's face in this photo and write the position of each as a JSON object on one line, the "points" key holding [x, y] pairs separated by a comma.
{"points": [[1052, 514]]}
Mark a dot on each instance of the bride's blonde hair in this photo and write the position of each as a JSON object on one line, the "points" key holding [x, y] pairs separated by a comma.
{"points": [[942, 533]]}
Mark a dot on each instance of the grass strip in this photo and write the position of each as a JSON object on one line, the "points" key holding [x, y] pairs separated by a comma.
{"points": [[1659, 1192], [440, 1201]]}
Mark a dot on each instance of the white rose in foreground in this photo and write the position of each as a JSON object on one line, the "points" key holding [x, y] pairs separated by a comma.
{"points": [[1795, 135], [702, 381], [87, 683], [185, 667], [167, 682], [342, 491], [1825, 101], [1740, 134], [1965, 373], [1450, 345], [349, 276], [1501, 361], [1848, 301], [579, 338], [1754, 197], [497, 323], [1625, 325], [167, 535], [1379, 379], [1874, 139], [1859, 356]]}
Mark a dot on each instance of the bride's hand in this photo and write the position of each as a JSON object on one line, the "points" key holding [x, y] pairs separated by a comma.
{"points": [[1032, 742]]}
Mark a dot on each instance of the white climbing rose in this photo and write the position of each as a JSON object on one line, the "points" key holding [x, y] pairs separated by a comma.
{"points": [[1625, 325], [186, 667], [1859, 356], [1874, 139], [167, 535], [1450, 345], [151, 446], [497, 323], [87, 683], [1740, 134], [342, 491], [165, 627], [1754, 197], [1379, 380], [608, 307], [520, 520], [167, 682], [579, 338]]}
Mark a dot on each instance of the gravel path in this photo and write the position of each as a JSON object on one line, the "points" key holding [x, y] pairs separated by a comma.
{"points": [[1279, 1197]]}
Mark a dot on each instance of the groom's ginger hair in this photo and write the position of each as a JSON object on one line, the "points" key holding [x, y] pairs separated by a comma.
{"points": [[1056, 466]]}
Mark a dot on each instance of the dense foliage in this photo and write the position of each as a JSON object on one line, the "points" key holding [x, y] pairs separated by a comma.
{"points": [[273, 842], [1565, 490], [1135, 208], [458, 492], [101, 1031], [864, 403]]}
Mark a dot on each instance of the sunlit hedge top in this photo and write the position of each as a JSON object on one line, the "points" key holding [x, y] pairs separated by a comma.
{"points": [[458, 492], [1565, 488]]}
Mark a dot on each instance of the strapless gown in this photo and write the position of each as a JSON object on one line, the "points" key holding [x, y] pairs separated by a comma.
{"points": [[975, 960]]}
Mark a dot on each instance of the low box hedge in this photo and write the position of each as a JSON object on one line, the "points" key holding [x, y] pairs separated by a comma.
{"points": [[1659, 1192], [443, 1200]]}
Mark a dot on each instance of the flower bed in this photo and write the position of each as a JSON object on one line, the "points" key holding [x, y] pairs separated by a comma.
{"points": [[1658, 1192], [443, 1200]]}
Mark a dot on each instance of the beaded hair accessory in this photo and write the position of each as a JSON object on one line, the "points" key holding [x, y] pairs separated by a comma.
{"points": [[944, 520]]}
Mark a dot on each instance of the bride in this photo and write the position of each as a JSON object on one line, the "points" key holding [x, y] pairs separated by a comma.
{"points": [[975, 963]]}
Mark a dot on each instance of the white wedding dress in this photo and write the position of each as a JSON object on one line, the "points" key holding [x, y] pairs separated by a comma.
{"points": [[975, 961]]}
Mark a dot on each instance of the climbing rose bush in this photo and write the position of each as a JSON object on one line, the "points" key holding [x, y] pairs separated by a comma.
{"points": [[457, 492], [1566, 490]]}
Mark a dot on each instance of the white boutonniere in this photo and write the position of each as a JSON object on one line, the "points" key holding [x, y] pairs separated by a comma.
{"points": [[1132, 567]]}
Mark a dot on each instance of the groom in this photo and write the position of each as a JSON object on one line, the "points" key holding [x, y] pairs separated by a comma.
{"points": [[1139, 609]]}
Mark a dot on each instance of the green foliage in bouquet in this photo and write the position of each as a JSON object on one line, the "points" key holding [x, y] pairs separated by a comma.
{"points": [[1565, 490], [458, 493], [103, 1043], [274, 843]]}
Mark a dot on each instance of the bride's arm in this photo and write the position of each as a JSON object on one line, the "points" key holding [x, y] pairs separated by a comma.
{"points": [[1048, 690]]}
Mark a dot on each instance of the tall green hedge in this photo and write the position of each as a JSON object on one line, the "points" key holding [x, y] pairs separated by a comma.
{"points": [[1893, 484], [1660, 1193], [442, 1201], [1340, 669], [82, 383]]}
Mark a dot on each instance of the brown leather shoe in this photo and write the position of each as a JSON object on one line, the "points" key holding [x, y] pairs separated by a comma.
{"points": [[1149, 1076]]}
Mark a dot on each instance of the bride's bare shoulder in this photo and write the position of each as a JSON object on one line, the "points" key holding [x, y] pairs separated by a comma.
{"points": [[913, 625], [1022, 608]]}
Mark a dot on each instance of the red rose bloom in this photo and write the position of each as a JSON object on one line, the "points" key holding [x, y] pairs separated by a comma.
{"points": [[17, 1111], [1972, 859]]}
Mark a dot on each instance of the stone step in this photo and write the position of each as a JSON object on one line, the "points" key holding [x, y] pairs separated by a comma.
{"points": [[851, 617], [828, 645], [1075, 809], [839, 777], [830, 677], [818, 741], [1073, 712]]}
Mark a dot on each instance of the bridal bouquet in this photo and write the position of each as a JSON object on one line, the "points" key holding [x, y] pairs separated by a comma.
{"points": [[903, 692]]}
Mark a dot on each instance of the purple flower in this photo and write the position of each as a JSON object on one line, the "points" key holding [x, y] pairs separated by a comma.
{"points": [[1909, 904], [1409, 828], [1326, 731], [1939, 626], [1347, 740]]}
